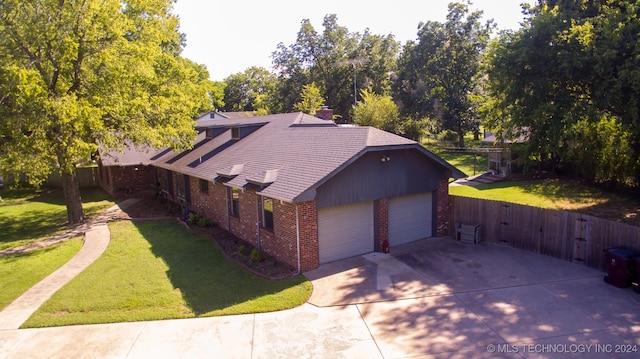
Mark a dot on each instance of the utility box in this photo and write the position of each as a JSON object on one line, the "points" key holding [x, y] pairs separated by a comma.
{"points": [[621, 266], [469, 233]]}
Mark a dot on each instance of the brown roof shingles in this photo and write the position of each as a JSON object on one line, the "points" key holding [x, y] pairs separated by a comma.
{"points": [[305, 152]]}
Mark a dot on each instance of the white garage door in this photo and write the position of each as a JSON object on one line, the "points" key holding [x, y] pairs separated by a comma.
{"points": [[345, 231], [410, 218]]}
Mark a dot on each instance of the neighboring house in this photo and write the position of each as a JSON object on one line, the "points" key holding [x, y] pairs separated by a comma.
{"points": [[490, 139], [212, 115], [218, 115], [303, 189]]}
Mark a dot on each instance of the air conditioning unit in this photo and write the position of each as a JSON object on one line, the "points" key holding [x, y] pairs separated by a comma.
{"points": [[469, 233]]}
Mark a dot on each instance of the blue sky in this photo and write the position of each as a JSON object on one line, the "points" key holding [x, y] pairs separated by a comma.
{"points": [[230, 36]]}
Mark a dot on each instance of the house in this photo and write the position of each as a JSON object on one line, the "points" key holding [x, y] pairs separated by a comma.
{"points": [[217, 115], [301, 188]]}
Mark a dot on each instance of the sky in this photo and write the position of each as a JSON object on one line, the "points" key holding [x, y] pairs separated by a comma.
{"points": [[232, 35]]}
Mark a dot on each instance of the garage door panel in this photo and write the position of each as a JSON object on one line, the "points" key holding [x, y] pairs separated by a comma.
{"points": [[410, 218], [345, 231]]}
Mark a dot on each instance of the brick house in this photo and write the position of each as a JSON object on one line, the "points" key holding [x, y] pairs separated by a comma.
{"points": [[301, 188]]}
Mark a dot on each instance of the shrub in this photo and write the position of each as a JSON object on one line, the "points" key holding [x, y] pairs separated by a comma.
{"points": [[256, 255], [448, 136], [193, 218], [242, 250]]}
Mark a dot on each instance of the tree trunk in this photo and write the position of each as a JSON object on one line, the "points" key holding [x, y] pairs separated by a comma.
{"points": [[71, 189], [460, 137]]}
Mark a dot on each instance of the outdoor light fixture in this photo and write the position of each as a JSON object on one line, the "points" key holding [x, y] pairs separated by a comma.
{"points": [[385, 158]]}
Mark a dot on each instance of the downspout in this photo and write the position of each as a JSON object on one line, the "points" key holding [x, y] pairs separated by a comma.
{"points": [[258, 221], [298, 237], [226, 195]]}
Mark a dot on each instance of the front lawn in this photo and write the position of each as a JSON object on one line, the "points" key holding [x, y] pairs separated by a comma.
{"points": [[29, 215], [159, 270], [20, 272]]}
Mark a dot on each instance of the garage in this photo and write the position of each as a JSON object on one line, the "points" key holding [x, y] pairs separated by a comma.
{"points": [[345, 231], [410, 218]]}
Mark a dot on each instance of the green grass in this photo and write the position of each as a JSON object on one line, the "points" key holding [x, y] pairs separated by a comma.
{"points": [[560, 195], [20, 272], [468, 163], [159, 270], [28, 215]]}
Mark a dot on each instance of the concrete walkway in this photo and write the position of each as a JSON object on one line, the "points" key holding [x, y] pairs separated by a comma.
{"points": [[96, 240], [483, 178]]}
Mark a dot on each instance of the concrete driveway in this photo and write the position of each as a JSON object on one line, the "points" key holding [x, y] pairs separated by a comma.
{"points": [[443, 298], [435, 298]]}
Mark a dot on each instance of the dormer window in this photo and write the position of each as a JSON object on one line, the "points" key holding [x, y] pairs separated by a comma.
{"points": [[235, 133]]}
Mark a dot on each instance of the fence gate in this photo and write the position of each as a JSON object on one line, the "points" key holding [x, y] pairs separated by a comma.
{"points": [[580, 243]]}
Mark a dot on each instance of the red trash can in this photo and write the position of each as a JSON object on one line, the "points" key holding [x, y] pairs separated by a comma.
{"points": [[621, 266]]}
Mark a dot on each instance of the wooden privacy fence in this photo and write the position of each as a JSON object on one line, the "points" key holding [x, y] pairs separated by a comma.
{"points": [[86, 178], [569, 236]]}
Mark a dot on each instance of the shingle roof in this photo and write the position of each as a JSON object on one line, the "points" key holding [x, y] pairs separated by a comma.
{"points": [[290, 155], [129, 156]]}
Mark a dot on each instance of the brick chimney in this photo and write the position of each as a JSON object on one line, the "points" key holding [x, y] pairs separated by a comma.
{"points": [[325, 113]]}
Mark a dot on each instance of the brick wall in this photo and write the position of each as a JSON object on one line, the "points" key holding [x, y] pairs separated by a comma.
{"points": [[127, 180], [245, 225], [211, 204], [443, 210], [382, 223], [282, 241], [309, 249]]}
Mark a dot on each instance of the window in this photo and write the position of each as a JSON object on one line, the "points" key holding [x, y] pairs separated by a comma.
{"points": [[163, 179], [204, 186], [180, 185], [235, 202], [267, 213], [235, 133]]}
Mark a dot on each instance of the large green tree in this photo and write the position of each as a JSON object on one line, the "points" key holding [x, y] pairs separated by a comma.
{"points": [[570, 78], [438, 72], [255, 89], [378, 111], [311, 100], [75, 74], [339, 61]]}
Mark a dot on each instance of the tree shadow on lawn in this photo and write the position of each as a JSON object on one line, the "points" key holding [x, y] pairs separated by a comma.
{"points": [[208, 281], [29, 225], [22, 224]]}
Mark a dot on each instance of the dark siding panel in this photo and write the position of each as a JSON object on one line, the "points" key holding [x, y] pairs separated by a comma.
{"points": [[368, 178]]}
